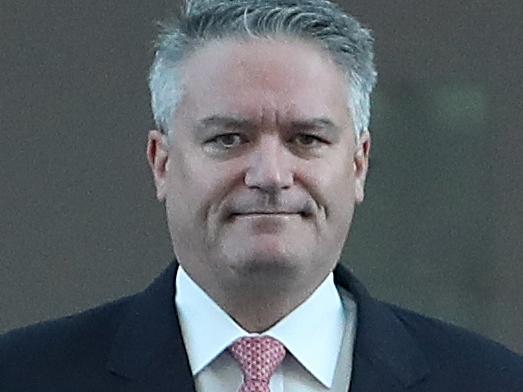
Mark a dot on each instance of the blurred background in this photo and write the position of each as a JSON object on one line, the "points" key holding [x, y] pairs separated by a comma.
{"points": [[439, 232]]}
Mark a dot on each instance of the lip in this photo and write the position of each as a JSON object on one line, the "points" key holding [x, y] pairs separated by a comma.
{"points": [[267, 214], [265, 223]]}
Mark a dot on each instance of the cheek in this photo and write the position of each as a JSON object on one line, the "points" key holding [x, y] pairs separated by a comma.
{"points": [[197, 187], [331, 183], [183, 189]]}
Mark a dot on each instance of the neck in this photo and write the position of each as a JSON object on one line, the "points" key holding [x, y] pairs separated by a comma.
{"points": [[257, 314], [257, 302], [256, 309]]}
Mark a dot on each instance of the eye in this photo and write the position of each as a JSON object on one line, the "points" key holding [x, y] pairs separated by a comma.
{"points": [[307, 140], [227, 141]]}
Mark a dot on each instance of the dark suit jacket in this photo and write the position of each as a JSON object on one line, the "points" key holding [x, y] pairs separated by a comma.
{"points": [[135, 344]]}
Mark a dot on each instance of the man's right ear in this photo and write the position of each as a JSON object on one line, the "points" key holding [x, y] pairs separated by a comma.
{"points": [[158, 156]]}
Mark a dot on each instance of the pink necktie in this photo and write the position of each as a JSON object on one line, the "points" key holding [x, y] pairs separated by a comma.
{"points": [[258, 357]]}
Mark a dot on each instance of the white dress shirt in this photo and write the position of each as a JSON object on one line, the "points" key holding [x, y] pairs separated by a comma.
{"points": [[312, 334]]}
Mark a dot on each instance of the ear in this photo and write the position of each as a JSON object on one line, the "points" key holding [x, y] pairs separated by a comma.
{"points": [[158, 156], [361, 164]]}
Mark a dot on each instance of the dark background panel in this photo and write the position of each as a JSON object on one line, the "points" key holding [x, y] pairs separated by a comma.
{"points": [[439, 231]]}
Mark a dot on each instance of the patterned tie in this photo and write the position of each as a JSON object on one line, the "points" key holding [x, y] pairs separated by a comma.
{"points": [[258, 357]]}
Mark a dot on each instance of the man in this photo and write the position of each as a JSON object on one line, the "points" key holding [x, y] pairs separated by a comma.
{"points": [[260, 154]]}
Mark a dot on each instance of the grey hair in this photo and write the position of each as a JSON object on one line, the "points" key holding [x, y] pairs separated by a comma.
{"points": [[319, 21]]}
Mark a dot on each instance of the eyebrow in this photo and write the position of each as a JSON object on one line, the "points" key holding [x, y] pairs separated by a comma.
{"points": [[219, 121]]}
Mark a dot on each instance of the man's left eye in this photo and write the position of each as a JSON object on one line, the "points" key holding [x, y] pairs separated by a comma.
{"points": [[309, 140]]}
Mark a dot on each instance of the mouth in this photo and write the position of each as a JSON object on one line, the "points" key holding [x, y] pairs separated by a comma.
{"points": [[265, 214]]}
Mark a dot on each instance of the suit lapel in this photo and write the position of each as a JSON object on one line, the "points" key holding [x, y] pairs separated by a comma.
{"points": [[148, 350], [386, 358]]}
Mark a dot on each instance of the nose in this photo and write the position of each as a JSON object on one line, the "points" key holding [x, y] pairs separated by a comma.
{"points": [[269, 166]]}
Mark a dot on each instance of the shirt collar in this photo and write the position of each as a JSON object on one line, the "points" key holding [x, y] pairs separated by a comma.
{"points": [[208, 330]]}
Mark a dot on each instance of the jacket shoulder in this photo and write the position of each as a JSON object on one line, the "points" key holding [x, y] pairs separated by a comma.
{"points": [[52, 349], [459, 354]]}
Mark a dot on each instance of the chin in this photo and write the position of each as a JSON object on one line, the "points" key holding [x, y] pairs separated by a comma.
{"points": [[265, 263]]}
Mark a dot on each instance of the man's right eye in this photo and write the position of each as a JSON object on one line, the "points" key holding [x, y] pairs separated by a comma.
{"points": [[228, 140]]}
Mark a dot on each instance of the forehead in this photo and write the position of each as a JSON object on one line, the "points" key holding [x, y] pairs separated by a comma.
{"points": [[287, 77]]}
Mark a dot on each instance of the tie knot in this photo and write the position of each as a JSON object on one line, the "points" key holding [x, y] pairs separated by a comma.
{"points": [[259, 357]]}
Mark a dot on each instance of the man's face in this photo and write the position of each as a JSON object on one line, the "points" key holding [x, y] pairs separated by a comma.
{"points": [[263, 171]]}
